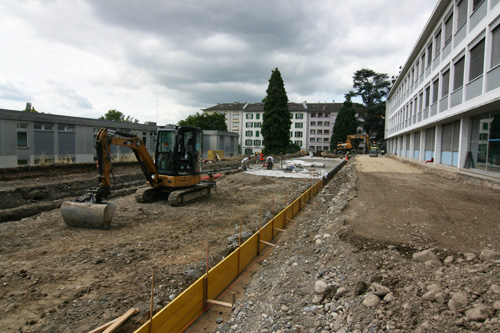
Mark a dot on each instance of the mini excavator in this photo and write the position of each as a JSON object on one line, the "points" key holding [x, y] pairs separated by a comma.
{"points": [[175, 172]]}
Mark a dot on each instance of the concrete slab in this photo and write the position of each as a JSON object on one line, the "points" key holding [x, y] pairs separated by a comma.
{"points": [[304, 167]]}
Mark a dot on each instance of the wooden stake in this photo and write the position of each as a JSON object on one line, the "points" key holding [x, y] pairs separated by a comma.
{"points": [[151, 301], [117, 322]]}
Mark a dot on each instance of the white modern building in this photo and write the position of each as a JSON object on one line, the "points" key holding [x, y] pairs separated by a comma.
{"points": [[444, 107]]}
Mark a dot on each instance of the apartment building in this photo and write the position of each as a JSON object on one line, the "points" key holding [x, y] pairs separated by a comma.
{"points": [[311, 128], [444, 107]]}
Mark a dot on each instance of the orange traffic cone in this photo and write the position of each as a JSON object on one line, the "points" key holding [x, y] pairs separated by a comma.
{"points": [[346, 158]]}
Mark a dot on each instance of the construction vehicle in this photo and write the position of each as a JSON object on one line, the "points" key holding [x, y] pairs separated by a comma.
{"points": [[348, 147], [174, 173]]}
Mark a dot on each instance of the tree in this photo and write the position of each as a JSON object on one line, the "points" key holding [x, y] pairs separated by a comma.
{"points": [[276, 120], [30, 108], [373, 88], [206, 121], [115, 115], [345, 124]]}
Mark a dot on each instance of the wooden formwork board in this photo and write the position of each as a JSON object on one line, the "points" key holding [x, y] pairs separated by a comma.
{"points": [[180, 312], [222, 275]]}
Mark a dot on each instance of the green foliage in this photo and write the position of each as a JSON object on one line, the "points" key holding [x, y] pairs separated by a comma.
{"points": [[373, 88], [30, 108], [115, 115], [292, 148], [276, 120], [206, 121], [345, 124]]}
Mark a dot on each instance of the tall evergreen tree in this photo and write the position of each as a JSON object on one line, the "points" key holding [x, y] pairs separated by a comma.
{"points": [[345, 124], [276, 121], [373, 88]]}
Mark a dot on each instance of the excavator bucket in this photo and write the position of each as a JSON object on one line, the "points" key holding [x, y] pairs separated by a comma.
{"points": [[88, 215]]}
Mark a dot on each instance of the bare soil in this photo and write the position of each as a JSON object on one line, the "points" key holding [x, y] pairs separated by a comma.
{"points": [[363, 228]]}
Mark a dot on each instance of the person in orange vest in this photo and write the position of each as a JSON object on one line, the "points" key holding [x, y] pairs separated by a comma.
{"points": [[261, 158]]}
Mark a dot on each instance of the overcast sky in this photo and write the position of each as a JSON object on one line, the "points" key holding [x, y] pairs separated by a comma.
{"points": [[164, 60]]}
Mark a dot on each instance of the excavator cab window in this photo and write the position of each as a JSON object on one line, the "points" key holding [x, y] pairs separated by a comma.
{"points": [[165, 152], [179, 151]]}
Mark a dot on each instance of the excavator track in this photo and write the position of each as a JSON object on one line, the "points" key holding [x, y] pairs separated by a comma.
{"points": [[185, 196], [145, 194]]}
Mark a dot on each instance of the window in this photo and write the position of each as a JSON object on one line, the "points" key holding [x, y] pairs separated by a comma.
{"points": [[22, 135], [257, 125], [427, 96], [248, 133], [448, 29], [437, 45], [298, 134], [435, 90], [445, 88], [299, 125], [313, 115], [249, 125], [320, 115], [248, 142], [257, 133], [429, 54], [476, 4], [256, 142], [476, 61], [312, 139], [320, 123], [66, 128], [422, 66], [299, 116], [462, 14], [326, 123], [320, 131], [257, 116], [319, 140], [43, 127], [298, 142], [326, 132], [312, 131], [495, 47], [326, 139], [249, 116], [458, 80], [313, 123]]}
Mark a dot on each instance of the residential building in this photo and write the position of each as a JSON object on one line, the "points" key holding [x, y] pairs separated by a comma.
{"points": [[444, 107]]}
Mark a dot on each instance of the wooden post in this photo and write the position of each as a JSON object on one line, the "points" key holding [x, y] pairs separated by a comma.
{"points": [[239, 245], [151, 303]]}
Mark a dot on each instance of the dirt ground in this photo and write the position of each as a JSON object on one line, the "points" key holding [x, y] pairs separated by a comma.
{"points": [[54, 278], [363, 228]]}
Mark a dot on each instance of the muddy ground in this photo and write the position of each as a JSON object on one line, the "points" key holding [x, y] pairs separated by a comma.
{"points": [[363, 230]]}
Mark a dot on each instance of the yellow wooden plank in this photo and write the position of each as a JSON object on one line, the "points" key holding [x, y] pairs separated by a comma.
{"points": [[221, 276], [248, 251]]}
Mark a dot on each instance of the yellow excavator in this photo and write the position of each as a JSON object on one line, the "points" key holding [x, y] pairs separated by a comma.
{"points": [[348, 147], [174, 173]]}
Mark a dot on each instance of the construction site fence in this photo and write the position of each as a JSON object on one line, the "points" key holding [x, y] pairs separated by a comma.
{"points": [[186, 307]]}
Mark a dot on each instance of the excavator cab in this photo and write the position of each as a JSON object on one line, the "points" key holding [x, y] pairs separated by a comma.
{"points": [[178, 151]]}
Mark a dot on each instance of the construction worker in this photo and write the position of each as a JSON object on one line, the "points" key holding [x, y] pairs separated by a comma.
{"points": [[270, 162], [245, 163], [261, 158]]}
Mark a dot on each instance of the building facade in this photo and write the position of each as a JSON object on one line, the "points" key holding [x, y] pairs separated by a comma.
{"points": [[444, 107], [311, 128], [28, 138]]}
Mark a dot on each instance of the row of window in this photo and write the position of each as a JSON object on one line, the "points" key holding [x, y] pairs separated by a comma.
{"points": [[450, 81], [319, 148], [292, 115]]}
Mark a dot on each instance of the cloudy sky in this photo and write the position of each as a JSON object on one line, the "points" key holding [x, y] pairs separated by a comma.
{"points": [[162, 60]]}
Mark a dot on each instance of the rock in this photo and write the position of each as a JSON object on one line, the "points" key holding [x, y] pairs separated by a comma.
{"points": [[317, 299], [480, 313], [360, 288], [219, 320], [424, 256], [441, 297], [388, 298], [448, 260], [320, 287], [487, 255], [469, 256], [496, 306], [495, 288], [430, 295], [379, 289], [457, 302], [371, 301], [284, 308]]}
